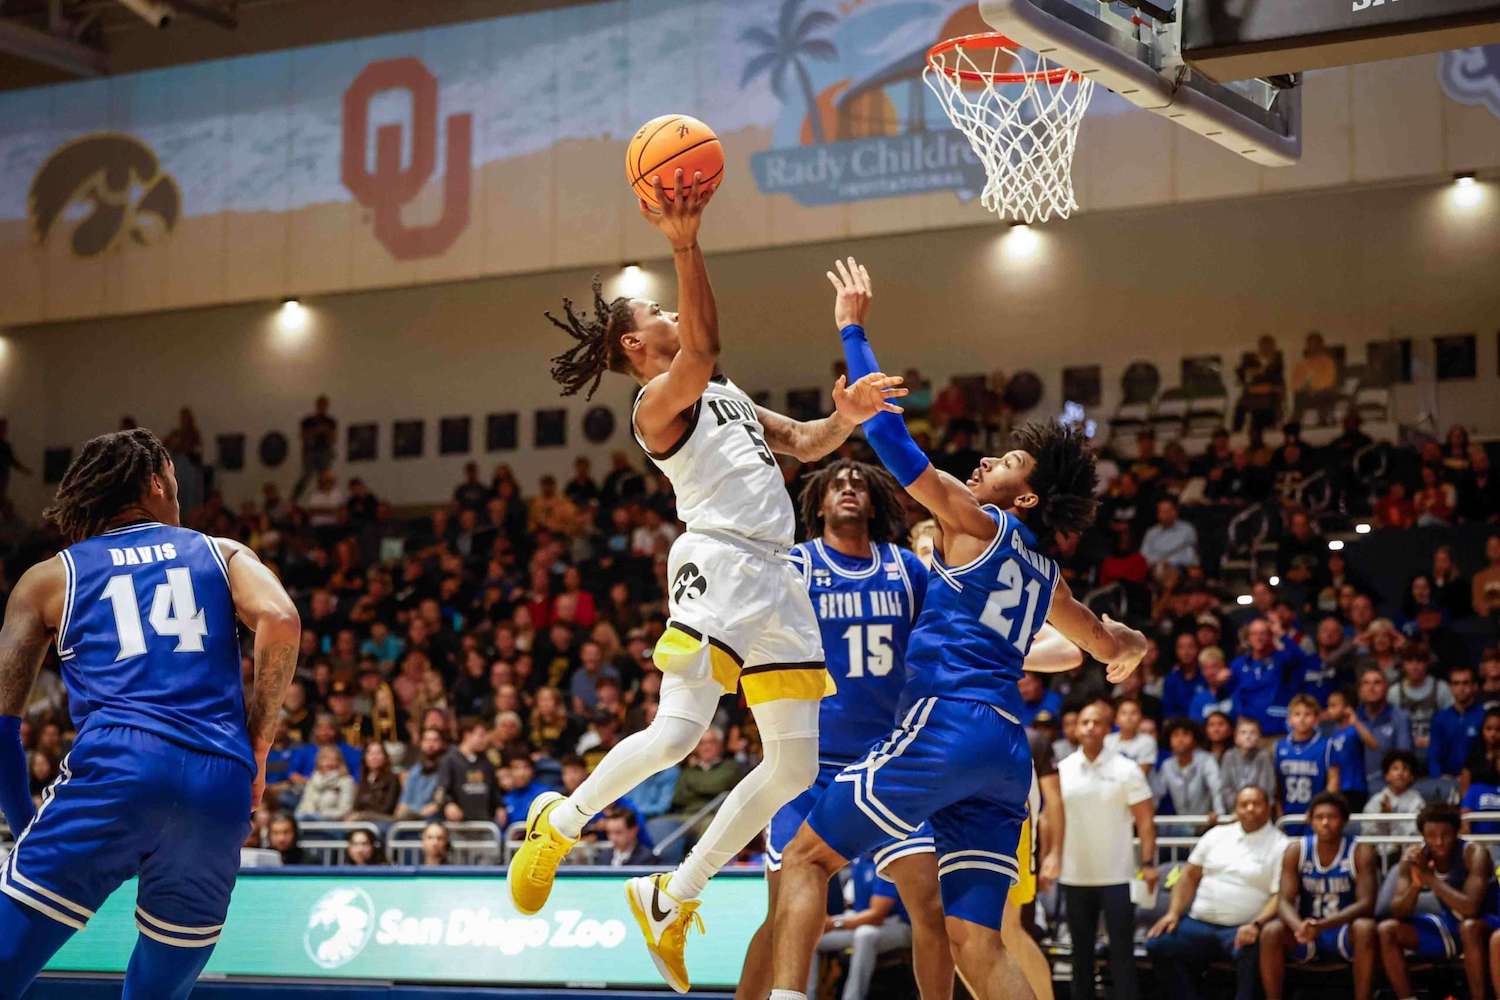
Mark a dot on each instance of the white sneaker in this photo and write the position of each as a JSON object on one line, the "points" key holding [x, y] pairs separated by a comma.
{"points": [[664, 922]]}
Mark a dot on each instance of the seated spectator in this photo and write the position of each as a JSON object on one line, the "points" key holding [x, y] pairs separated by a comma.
{"points": [[1067, 741], [1228, 891], [1171, 541], [1190, 776], [876, 923], [1217, 693], [1461, 877], [1346, 747], [1479, 782], [325, 734], [1304, 763], [1394, 510], [419, 795], [1184, 679], [364, 850], [1326, 903], [1450, 589], [1453, 732], [1398, 796], [328, 794], [522, 788], [1382, 727], [379, 788], [706, 774], [436, 844], [1436, 500], [1266, 676], [1244, 764], [605, 729], [583, 685], [467, 787], [1128, 740], [1218, 735], [624, 834], [1331, 664], [283, 838], [1036, 697], [1420, 696], [1485, 590]]}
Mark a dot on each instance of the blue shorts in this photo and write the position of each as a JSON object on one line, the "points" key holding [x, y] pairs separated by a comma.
{"points": [[1327, 946], [1439, 935], [788, 820], [960, 765], [127, 802]]}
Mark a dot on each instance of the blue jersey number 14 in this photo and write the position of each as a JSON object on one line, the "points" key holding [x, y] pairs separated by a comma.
{"points": [[174, 612], [1011, 593]]}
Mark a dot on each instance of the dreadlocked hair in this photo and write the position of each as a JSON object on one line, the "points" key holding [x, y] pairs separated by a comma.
{"points": [[887, 514], [597, 346], [109, 476], [1064, 478]]}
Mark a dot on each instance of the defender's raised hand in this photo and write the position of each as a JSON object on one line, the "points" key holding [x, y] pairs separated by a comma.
{"points": [[867, 396], [680, 214], [852, 285]]}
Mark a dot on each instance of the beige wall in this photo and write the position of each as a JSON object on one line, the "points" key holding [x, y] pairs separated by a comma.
{"points": [[1360, 265]]}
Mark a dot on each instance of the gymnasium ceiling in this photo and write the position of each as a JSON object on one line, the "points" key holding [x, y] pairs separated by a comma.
{"points": [[49, 41]]}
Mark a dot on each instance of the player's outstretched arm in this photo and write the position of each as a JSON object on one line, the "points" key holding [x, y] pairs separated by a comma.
{"points": [[30, 617], [810, 440], [1119, 647], [1052, 652], [950, 501], [263, 605], [697, 314]]}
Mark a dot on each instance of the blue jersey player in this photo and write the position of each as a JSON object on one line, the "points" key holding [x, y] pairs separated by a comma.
{"points": [[169, 761], [958, 757], [1326, 909]]}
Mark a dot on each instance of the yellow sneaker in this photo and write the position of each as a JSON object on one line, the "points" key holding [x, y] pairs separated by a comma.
{"points": [[664, 922], [534, 867]]}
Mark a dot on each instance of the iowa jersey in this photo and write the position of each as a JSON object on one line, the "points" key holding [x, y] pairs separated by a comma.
{"points": [[865, 609], [1325, 890], [722, 471], [978, 620], [148, 638]]}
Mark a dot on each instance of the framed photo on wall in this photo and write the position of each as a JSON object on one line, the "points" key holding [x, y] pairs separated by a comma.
{"points": [[231, 448], [408, 438], [1083, 384], [551, 428], [500, 431], [453, 435], [363, 442], [55, 462]]}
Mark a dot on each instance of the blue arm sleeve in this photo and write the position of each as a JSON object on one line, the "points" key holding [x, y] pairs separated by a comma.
{"points": [[15, 776], [886, 432]]}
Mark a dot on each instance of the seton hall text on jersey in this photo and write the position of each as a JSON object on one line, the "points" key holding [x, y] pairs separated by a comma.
{"points": [[1290, 766], [140, 554], [1040, 563], [851, 604], [729, 410]]}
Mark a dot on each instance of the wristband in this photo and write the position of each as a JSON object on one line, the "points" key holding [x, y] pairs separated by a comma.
{"points": [[885, 431]]}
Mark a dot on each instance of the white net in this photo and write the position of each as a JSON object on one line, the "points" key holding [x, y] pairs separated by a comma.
{"points": [[1021, 113]]}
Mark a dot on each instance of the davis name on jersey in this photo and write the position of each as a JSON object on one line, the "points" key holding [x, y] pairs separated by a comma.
{"points": [[721, 469], [865, 608], [978, 620], [149, 638]]}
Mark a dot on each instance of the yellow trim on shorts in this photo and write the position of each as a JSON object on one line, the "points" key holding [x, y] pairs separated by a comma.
{"points": [[796, 681], [1023, 890], [681, 644]]}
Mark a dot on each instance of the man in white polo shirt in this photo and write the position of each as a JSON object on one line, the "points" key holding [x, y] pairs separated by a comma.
{"points": [[1103, 791], [1227, 892]]}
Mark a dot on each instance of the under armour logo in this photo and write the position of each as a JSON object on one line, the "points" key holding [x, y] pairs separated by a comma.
{"points": [[688, 583], [391, 185]]}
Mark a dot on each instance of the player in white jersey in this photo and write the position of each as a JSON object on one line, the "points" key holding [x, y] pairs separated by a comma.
{"points": [[739, 613]]}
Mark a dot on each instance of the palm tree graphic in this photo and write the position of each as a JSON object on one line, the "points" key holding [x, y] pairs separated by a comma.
{"points": [[794, 41]]}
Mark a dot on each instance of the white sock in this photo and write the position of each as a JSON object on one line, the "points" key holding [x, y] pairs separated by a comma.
{"points": [[789, 768], [685, 712], [787, 995]]}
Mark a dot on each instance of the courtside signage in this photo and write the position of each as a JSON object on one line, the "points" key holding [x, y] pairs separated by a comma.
{"points": [[437, 928]]}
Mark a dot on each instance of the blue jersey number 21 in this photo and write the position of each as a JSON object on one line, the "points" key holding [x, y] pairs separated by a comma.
{"points": [[1010, 593]]}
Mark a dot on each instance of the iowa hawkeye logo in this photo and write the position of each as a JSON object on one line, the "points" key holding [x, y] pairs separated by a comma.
{"points": [[109, 187]]}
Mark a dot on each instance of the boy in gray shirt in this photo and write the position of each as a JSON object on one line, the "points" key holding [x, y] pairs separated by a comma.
{"points": [[1245, 763]]}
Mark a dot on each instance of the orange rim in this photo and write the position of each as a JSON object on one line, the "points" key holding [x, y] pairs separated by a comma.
{"points": [[993, 40]]}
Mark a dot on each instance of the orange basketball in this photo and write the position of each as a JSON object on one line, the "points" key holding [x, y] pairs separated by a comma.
{"points": [[664, 145]]}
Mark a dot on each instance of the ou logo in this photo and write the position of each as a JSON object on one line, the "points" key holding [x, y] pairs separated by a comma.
{"points": [[390, 185], [688, 583]]}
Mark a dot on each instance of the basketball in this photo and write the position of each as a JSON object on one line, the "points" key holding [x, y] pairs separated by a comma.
{"points": [[666, 144]]}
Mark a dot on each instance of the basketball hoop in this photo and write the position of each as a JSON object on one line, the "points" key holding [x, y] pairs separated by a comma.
{"points": [[1023, 125]]}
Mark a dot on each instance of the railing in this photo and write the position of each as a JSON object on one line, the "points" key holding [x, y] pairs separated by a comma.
{"points": [[475, 842], [688, 824], [326, 840]]}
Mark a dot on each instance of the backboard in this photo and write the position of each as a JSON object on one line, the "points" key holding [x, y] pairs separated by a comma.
{"points": [[1230, 69]]}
